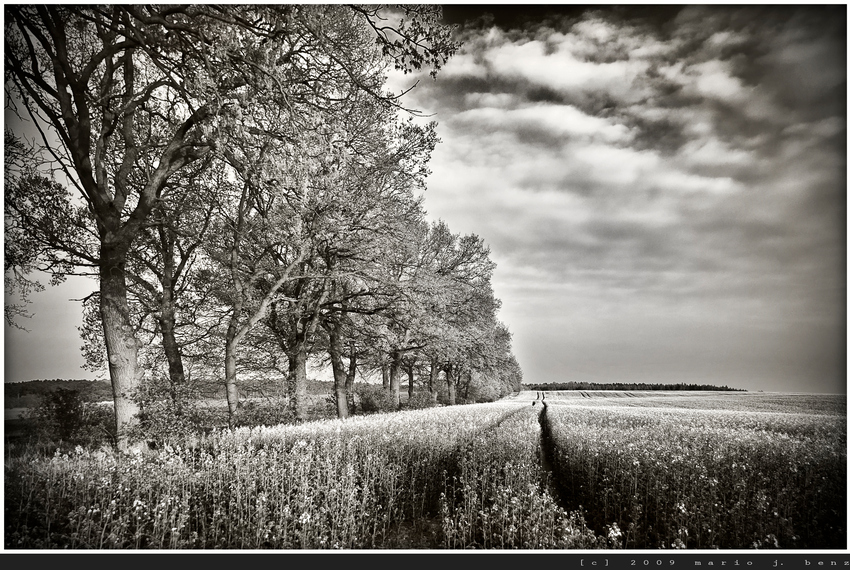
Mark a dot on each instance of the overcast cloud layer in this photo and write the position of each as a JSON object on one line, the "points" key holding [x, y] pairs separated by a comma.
{"points": [[665, 197]]}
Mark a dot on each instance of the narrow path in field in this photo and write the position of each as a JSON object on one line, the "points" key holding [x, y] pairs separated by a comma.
{"points": [[425, 532], [550, 478]]}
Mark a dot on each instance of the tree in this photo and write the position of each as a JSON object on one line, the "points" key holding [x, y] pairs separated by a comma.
{"points": [[461, 304], [160, 269], [125, 97], [289, 155], [126, 91]]}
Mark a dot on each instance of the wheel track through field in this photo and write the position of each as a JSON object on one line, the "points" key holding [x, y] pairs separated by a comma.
{"points": [[425, 531], [561, 494], [549, 475]]}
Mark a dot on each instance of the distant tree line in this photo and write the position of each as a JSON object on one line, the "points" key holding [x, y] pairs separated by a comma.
{"points": [[89, 390], [248, 193], [553, 386]]}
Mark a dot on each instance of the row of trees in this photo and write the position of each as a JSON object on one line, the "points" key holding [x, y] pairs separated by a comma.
{"points": [[247, 193]]}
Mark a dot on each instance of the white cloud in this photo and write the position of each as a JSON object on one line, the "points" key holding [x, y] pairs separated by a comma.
{"points": [[563, 71], [596, 30], [713, 79], [610, 165], [560, 61], [683, 182], [463, 65], [558, 120], [816, 132]]}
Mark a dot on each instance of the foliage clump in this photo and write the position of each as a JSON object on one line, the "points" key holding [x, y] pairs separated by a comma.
{"points": [[253, 413], [420, 401], [375, 399], [64, 416], [167, 412]]}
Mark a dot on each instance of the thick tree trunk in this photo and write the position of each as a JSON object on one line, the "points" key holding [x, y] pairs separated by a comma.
{"points": [[121, 344], [395, 380], [450, 381], [410, 380], [340, 376], [385, 376], [298, 380]]}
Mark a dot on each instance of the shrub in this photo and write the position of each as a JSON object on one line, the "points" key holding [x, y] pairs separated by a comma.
{"points": [[375, 399], [167, 413], [64, 416], [98, 425], [66, 407], [264, 413], [420, 401], [482, 391]]}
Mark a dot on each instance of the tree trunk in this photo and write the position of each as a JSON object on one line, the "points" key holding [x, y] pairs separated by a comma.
{"points": [[298, 380], [410, 380], [340, 376], [176, 373], [385, 375], [349, 378], [432, 379], [168, 319], [121, 344], [230, 351], [395, 380], [450, 381]]}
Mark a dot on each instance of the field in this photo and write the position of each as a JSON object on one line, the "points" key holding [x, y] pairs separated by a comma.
{"points": [[583, 470]]}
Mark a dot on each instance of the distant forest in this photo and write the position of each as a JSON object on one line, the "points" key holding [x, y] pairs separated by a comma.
{"points": [[552, 386], [27, 394]]}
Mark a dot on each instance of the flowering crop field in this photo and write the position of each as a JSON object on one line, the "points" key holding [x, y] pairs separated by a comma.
{"points": [[584, 471], [500, 497], [705, 471], [366, 482]]}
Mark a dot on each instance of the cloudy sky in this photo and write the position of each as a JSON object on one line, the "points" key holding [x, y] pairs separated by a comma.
{"points": [[663, 190]]}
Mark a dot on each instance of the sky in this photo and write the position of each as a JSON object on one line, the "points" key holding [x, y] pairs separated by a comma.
{"points": [[663, 190]]}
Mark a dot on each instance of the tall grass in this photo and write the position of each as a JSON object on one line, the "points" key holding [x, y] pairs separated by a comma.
{"points": [[500, 496], [331, 484], [602, 473], [705, 478]]}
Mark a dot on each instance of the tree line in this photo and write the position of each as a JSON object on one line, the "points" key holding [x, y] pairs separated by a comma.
{"points": [[30, 391], [553, 386], [247, 191]]}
